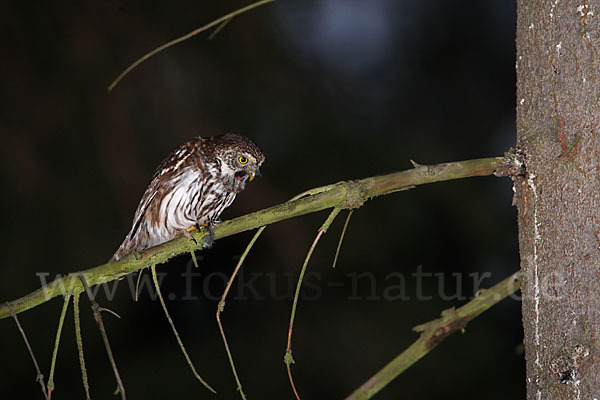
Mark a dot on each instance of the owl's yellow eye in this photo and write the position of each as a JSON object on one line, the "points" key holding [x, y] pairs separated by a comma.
{"points": [[243, 160]]}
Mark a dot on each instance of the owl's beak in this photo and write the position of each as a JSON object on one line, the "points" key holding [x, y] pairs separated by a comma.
{"points": [[252, 175]]}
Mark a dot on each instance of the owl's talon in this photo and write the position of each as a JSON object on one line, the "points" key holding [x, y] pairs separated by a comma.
{"points": [[188, 235]]}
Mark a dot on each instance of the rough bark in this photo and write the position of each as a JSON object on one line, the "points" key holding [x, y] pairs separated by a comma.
{"points": [[558, 120]]}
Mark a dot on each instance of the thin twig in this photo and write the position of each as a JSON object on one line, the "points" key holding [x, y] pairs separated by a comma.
{"points": [[61, 321], [194, 259], [221, 308], [39, 377], [288, 358], [312, 192], [339, 246], [97, 310], [181, 346], [186, 37], [79, 340], [137, 285], [219, 28], [415, 164], [434, 332]]}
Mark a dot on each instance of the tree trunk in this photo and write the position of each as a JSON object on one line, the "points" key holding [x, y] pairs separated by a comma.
{"points": [[558, 121]]}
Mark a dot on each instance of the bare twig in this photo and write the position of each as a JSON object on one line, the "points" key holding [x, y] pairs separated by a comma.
{"points": [[137, 285], [219, 28], [222, 20], [97, 310], [39, 376], [415, 164], [221, 307], [288, 359], [79, 340], [193, 254], [181, 346], [434, 332], [61, 321], [339, 246]]}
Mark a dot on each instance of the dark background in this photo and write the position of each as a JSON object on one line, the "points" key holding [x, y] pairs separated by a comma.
{"points": [[331, 90]]}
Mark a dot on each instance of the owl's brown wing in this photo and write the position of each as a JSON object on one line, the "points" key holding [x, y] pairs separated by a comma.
{"points": [[130, 243], [162, 182]]}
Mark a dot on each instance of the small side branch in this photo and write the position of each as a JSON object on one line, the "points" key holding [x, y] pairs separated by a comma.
{"points": [[40, 376], [97, 310], [181, 346], [434, 332], [221, 22], [288, 359], [61, 322], [339, 246], [221, 308], [79, 340]]}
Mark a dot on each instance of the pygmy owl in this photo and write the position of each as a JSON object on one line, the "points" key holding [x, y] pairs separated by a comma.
{"points": [[191, 188]]}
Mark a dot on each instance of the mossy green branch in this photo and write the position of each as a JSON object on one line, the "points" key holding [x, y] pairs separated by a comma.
{"points": [[343, 195], [434, 332]]}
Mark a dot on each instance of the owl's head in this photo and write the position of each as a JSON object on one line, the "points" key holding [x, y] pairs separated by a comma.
{"points": [[240, 159]]}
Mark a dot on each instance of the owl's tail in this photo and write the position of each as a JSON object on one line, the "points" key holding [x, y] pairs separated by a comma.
{"points": [[129, 245], [122, 251]]}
